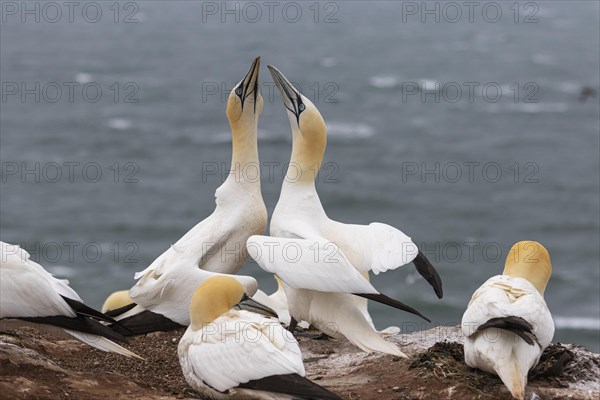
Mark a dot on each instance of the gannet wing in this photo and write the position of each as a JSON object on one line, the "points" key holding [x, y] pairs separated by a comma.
{"points": [[223, 361], [314, 264], [379, 248], [390, 248], [28, 290], [31, 294], [505, 301]]}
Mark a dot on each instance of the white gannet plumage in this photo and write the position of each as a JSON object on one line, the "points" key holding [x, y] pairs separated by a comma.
{"points": [[507, 324], [218, 243], [31, 296], [335, 257], [228, 352], [276, 301]]}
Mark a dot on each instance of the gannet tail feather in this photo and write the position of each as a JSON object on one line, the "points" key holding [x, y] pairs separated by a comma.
{"points": [[512, 377], [145, 322], [291, 385], [427, 271], [383, 299], [516, 325], [102, 343]]}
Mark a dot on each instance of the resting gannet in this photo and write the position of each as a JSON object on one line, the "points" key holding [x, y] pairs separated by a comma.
{"points": [[229, 353], [116, 300], [218, 243], [31, 296], [507, 324], [323, 262]]}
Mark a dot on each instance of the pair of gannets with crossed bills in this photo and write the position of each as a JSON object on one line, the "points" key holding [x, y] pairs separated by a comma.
{"points": [[323, 263], [31, 296], [231, 353], [507, 324], [162, 295]]}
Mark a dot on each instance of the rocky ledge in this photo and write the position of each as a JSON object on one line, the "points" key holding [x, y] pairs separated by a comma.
{"points": [[34, 366]]}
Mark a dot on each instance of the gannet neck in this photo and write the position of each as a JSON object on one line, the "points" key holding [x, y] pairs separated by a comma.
{"points": [[244, 145], [531, 261], [307, 156], [244, 107]]}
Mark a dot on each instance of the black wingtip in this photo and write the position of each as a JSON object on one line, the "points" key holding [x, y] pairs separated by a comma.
{"points": [[145, 322], [292, 385], [516, 325], [121, 310], [82, 309], [81, 323], [428, 271], [383, 299]]}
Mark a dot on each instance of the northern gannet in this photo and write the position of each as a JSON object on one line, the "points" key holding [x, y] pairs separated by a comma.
{"points": [[116, 300], [228, 353], [507, 324], [324, 262], [31, 296], [216, 244]]}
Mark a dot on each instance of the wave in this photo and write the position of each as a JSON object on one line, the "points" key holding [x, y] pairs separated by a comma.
{"points": [[349, 131], [61, 271], [83, 77], [384, 81], [328, 62], [120, 124], [592, 324], [529, 108], [543, 59]]}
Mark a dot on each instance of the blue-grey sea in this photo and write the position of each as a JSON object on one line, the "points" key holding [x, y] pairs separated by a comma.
{"points": [[467, 127]]}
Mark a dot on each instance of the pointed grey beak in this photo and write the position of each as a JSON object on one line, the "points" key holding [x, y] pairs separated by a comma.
{"points": [[249, 85], [248, 304], [292, 100]]}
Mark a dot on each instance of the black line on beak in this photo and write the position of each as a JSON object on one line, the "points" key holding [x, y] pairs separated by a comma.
{"points": [[288, 91], [245, 83]]}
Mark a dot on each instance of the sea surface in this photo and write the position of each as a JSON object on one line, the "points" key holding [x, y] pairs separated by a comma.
{"points": [[468, 130]]}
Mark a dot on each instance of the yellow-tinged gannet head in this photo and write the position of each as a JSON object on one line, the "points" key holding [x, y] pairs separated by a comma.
{"points": [[308, 127], [116, 300], [529, 260], [245, 102], [219, 294]]}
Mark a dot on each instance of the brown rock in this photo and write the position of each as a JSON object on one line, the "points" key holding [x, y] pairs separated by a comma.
{"points": [[36, 366]]}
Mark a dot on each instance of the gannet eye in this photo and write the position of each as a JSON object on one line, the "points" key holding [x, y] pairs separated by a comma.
{"points": [[301, 107], [238, 91]]}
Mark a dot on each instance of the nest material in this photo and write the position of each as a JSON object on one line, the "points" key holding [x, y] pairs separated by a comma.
{"points": [[558, 366]]}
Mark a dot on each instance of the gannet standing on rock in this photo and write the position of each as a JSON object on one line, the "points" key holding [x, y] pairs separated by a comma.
{"points": [[239, 354], [322, 262], [31, 296], [218, 243], [507, 324]]}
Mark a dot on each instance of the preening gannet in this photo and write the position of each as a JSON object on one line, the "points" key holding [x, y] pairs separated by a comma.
{"points": [[229, 353], [507, 324], [322, 261], [30, 295], [116, 300], [216, 244]]}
